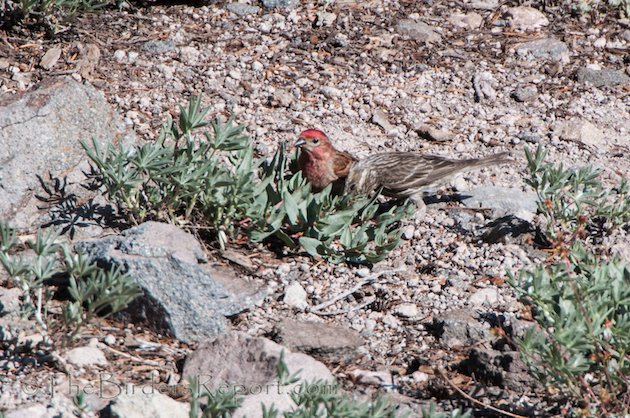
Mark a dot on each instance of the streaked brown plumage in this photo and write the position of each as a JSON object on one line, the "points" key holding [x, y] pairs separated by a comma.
{"points": [[408, 174]]}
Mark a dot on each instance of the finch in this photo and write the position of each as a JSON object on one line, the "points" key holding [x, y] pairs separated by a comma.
{"points": [[320, 162], [397, 174]]}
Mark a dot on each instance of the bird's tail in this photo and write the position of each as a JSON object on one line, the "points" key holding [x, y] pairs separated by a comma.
{"points": [[496, 159]]}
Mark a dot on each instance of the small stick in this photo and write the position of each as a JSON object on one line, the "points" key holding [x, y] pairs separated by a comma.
{"points": [[364, 282], [470, 398], [130, 357], [343, 311]]}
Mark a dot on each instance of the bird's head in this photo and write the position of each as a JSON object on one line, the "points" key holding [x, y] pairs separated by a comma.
{"points": [[312, 140]]}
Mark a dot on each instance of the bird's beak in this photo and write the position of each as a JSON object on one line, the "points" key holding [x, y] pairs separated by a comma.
{"points": [[299, 142]]}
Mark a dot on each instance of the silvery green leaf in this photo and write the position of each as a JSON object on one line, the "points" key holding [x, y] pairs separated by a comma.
{"points": [[287, 240], [291, 207], [310, 245]]}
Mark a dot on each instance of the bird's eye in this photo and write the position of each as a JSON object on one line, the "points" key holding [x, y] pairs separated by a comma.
{"points": [[315, 141]]}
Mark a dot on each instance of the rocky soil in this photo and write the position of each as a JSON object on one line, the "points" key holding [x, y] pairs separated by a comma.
{"points": [[436, 317]]}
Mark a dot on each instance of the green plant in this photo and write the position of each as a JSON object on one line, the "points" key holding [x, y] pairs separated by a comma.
{"points": [[431, 412], [211, 179], [284, 376], [624, 5], [312, 400], [573, 202], [587, 6], [219, 403], [183, 177], [80, 404], [93, 290], [337, 228], [51, 14], [579, 298]]}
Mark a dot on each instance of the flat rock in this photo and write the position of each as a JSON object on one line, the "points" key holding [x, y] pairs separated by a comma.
{"points": [[503, 201], [525, 94], [526, 18], [380, 378], [318, 339], [544, 49], [273, 4], [159, 47], [580, 130], [466, 21], [183, 296], [434, 134], [50, 58], [242, 9], [419, 31], [484, 4], [148, 402], [458, 328], [602, 78], [407, 310], [86, 356], [40, 132], [249, 364], [486, 296], [295, 295], [380, 118]]}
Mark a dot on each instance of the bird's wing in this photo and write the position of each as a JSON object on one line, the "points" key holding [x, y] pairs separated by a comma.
{"points": [[342, 161], [400, 171]]}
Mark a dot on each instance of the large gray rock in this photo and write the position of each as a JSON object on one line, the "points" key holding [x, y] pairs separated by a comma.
{"points": [[318, 338], [183, 296], [602, 78], [47, 405], [40, 133], [147, 402], [503, 201], [249, 365]]}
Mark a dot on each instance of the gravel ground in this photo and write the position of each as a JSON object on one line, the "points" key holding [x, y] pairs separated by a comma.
{"points": [[374, 79]]}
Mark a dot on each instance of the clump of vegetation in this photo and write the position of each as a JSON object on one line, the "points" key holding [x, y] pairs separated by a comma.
{"points": [[573, 203], [589, 6], [93, 290], [337, 228], [580, 298], [52, 14], [210, 178], [311, 399]]}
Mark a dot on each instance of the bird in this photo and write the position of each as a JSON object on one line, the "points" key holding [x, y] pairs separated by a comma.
{"points": [[320, 162], [396, 174]]}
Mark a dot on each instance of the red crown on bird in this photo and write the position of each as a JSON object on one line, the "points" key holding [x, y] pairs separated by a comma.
{"points": [[313, 133]]}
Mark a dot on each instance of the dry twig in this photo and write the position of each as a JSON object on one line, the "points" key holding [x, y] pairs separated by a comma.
{"points": [[317, 309], [442, 373]]}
